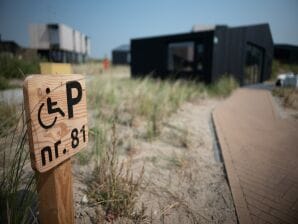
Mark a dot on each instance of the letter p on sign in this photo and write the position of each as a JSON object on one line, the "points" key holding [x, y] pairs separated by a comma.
{"points": [[57, 118]]}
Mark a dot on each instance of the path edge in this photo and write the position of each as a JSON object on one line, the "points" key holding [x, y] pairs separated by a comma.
{"points": [[240, 203]]}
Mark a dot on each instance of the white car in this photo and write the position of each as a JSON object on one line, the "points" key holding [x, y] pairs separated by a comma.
{"points": [[287, 80]]}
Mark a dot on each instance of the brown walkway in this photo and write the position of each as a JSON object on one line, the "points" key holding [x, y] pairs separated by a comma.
{"points": [[260, 152]]}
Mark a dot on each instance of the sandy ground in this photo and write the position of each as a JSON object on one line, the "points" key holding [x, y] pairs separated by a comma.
{"points": [[183, 182], [11, 95], [284, 113]]}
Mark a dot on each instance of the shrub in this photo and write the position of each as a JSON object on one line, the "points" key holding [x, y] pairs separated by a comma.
{"points": [[289, 96], [16, 187], [279, 67], [4, 84], [11, 67], [223, 86], [113, 185]]}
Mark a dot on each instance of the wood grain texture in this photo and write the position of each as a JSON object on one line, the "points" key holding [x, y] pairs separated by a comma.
{"points": [[55, 195], [36, 99]]}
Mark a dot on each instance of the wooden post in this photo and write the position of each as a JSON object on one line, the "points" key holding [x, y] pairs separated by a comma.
{"points": [[55, 194], [57, 129], [55, 186]]}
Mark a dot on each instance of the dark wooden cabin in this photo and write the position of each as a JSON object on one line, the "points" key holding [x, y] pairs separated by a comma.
{"points": [[244, 52]]}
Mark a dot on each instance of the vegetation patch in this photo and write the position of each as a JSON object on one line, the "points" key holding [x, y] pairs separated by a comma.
{"points": [[289, 96], [149, 99], [17, 188], [114, 187], [8, 117], [223, 86], [12, 67], [279, 68], [140, 106]]}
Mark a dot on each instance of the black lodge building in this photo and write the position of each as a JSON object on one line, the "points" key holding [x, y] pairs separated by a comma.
{"points": [[205, 54]]}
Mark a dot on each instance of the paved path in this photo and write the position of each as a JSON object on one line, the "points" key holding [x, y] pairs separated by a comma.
{"points": [[260, 151]]}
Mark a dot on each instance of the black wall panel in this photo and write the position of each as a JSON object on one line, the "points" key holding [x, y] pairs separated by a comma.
{"points": [[224, 52]]}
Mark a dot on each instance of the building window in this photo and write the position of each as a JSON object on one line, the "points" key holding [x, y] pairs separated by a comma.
{"points": [[200, 55], [54, 35], [253, 64], [200, 49], [199, 66], [181, 56]]}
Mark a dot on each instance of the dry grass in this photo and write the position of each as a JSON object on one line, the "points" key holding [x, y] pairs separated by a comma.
{"points": [[279, 68], [148, 100], [114, 187], [139, 109], [288, 95], [17, 187], [8, 117]]}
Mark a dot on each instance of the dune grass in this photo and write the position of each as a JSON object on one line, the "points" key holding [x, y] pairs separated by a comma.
{"points": [[111, 102], [137, 103], [288, 95], [152, 100], [12, 67], [149, 99], [8, 117], [113, 185], [279, 67], [17, 188]]}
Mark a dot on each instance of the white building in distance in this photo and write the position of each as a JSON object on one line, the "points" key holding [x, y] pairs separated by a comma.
{"points": [[59, 43]]}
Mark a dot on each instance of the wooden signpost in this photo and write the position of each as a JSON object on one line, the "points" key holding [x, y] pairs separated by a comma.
{"points": [[57, 128]]}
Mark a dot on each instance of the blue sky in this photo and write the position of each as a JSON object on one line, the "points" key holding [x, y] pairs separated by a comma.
{"points": [[110, 23]]}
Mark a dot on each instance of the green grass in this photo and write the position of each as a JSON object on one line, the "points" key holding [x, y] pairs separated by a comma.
{"points": [[4, 83], [223, 86], [12, 67], [83, 157], [177, 161], [288, 95], [17, 188], [152, 100]]}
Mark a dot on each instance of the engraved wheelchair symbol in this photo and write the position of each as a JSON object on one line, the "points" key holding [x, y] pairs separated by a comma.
{"points": [[52, 107], [51, 110]]}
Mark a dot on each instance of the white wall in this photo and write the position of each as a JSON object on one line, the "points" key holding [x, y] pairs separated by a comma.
{"points": [[83, 45], [66, 37], [39, 36], [77, 41], [88, 44]]}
